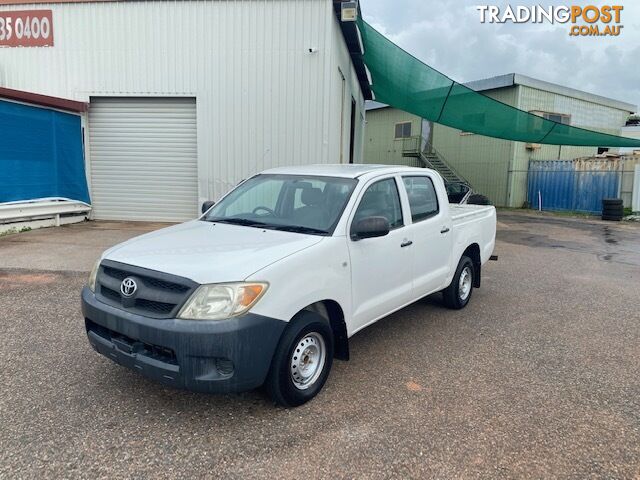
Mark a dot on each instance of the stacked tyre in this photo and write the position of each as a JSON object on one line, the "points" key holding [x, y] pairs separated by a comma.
{"points": [[478, 199], [612, 209]]}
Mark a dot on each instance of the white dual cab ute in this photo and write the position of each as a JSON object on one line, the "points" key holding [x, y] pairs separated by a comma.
{"points": [[267, 286]]}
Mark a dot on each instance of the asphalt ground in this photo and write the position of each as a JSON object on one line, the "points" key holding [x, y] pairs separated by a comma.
{"points": [[539, 377]]}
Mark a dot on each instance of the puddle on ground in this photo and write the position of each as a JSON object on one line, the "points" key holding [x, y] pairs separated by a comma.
{"points": [[608, 236], [520, 237]]}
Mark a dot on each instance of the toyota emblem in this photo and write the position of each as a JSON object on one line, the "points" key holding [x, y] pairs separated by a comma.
{"points": [[128, 287]]}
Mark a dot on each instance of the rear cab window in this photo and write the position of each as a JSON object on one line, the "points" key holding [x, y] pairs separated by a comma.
{"points": [[423, 200]]}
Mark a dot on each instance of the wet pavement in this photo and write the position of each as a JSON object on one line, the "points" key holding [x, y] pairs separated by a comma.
{"points": [[538, 377]]}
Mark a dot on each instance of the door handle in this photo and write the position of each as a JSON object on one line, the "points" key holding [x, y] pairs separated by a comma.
{"points": [[445, 230], [406, 243]]}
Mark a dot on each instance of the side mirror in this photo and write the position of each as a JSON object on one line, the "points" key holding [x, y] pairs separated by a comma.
{"points": [[370, 227], [207, 205]]}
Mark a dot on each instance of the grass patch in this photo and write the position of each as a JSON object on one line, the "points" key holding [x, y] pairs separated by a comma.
{"points": [[13, 231]]}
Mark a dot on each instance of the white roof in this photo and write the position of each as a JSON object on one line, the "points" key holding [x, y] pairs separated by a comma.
{"points": [[511, 79], [373, 105], [341, 170]]}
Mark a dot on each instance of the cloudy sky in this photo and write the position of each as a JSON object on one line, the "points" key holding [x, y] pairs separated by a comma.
{"points": [[448, 35]]}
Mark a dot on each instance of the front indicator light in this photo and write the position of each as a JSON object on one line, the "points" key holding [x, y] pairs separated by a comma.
{"points": [[220, 301]]}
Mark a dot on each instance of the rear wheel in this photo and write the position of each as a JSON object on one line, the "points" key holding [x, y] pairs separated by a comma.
{"points": [[302, 361], [458, 293]]}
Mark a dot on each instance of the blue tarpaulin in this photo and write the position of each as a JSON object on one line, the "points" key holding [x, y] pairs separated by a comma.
{"points": [[41, 154]]}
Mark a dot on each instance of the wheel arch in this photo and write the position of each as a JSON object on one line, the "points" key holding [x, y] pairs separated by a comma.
{"points": [[333, 313], [473, 252]]}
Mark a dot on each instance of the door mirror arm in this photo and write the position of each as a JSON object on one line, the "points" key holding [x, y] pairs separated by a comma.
{"points": [[207, 205]]}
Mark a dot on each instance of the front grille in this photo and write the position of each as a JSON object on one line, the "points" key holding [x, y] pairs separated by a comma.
{"points": [[115, 273], [172, 287], [151, 306], [158, 295], [112, 295]]}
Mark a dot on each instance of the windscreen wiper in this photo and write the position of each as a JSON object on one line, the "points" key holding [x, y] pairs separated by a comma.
{"points": [[245, 222], [298, 229]]}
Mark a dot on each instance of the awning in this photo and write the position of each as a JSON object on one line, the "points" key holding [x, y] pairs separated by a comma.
{"points": [[402, 81]]}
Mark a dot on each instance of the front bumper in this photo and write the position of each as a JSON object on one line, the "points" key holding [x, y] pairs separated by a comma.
{"points": [[208, 356]]}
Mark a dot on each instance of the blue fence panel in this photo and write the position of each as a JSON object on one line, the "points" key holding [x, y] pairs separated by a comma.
{"points": [[592, 187], [552, 182], [41, 154], [572, 185]]}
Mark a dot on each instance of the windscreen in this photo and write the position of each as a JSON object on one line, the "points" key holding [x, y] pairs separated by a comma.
{"points": [[305, 204]]}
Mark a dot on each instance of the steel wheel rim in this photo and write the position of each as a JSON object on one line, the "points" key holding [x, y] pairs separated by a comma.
{"points": [[464, 287], [307, 360]]}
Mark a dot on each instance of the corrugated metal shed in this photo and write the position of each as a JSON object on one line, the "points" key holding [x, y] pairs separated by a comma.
{"points": [[273, 79]]}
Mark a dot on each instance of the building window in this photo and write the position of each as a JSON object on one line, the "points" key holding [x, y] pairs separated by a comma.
{"points": [[554, 117], [403, 130]]}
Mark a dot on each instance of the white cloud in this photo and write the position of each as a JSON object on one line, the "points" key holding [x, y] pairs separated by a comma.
{"points": [[448, 36]]}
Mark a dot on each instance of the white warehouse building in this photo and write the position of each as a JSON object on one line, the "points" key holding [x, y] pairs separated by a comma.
{"points": [[187, 98]]}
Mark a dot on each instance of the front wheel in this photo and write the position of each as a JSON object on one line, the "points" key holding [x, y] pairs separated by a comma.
{"points": [[302, 361], [458, 293]]}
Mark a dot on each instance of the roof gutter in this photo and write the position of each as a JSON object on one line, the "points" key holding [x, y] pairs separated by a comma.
{"points": [[43, 100]]}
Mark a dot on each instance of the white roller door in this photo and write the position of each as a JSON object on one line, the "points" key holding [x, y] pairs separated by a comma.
{"points": [[143, 158]]}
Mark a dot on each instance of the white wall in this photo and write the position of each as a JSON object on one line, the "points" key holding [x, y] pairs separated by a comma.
{"points": [[263, 99], [342, 64], [632, 131]]}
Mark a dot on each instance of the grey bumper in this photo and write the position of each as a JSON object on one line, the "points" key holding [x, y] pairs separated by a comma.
{"points": [[213, 356]]}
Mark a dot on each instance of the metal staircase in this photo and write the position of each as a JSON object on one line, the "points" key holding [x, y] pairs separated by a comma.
{"points": [[415, 147]]}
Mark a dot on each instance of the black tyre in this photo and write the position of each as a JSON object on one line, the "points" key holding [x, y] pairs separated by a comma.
{"points": [[612, 218], [611, 201], [616, 208], [458, 293], [302, 361], [478, 199], [613, 213]]}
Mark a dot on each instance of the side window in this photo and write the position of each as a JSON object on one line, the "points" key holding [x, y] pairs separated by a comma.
{"points": [[381, 200], [422, 197]]}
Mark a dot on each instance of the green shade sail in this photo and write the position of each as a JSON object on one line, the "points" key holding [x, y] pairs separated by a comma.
{"points": [[402, 81]]}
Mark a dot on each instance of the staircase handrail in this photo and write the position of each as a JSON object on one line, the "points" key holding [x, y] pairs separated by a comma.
{"points": [[429, 148]]}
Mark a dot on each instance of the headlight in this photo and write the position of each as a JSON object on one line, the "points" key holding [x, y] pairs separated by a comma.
{"points": [[219, 301], [92, 276]]}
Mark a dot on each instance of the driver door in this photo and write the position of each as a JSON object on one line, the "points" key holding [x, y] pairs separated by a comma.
{"points": [[381, 274]]}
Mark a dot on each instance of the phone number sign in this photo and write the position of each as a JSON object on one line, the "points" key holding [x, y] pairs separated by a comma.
{"points": [[26, 28]]}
